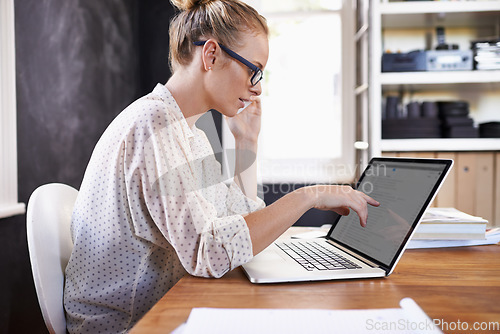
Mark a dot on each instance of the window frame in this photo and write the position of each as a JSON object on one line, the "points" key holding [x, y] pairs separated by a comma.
{"points": [[323, 168], [9, 205]]}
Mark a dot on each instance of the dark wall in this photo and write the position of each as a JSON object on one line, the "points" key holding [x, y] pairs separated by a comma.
{"points": [[153, 42], [76, 70], [79, 63]]}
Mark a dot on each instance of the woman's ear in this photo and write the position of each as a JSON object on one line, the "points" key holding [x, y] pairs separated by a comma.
{"points": [[211, 51]]}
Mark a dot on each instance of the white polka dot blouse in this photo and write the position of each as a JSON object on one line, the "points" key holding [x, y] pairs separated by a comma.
{"points": [[152, 206]]}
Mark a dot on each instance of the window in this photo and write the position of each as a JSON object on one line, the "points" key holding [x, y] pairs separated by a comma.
{"points": [[308, 117], [8, 141]]}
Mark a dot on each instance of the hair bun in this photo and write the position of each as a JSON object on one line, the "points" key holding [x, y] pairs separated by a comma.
{"points": [[189, 4]]}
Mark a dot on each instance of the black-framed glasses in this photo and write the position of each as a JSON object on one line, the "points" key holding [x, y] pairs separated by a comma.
{"points": [[257, 72]]}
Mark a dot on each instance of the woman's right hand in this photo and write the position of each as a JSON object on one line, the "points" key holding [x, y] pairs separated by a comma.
{"points": [[340, 199]]}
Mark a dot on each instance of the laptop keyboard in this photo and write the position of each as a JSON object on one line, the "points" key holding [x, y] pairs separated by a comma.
{"points": [[313, 256]]}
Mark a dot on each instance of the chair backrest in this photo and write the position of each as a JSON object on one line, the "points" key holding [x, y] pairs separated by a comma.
{"points": [[48, 220]]}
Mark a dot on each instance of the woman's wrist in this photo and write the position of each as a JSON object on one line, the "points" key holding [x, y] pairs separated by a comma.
{"points": [[246, 144], [309, 196]]}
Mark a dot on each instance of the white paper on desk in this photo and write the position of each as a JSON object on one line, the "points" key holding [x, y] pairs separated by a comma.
{"points": [[407, 319]]}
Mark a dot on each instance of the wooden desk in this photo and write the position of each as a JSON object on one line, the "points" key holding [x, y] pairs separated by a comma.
{"points": [[455, 284]]}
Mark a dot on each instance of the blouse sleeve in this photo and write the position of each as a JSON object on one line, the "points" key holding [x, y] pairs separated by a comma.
{"points": [[168, 207], [238, 203]]}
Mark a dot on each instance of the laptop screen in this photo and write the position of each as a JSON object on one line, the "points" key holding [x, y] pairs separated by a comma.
{"points": [[404, 188]]}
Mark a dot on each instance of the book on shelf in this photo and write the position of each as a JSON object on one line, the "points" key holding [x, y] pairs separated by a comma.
{"points": [[450, 224]]}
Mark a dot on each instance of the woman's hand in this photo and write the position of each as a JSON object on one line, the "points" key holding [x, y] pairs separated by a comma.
{"points": [[340, 199], [269, 223], [245, 126]]}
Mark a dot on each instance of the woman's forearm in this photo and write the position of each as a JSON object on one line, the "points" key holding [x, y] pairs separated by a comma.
{"points": [[268, 224]]}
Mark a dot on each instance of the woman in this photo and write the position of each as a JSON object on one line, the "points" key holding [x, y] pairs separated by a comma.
{"points": [[152, 205]]}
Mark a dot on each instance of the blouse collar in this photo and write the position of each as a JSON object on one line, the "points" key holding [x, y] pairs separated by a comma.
{"points": [[164, 94]]}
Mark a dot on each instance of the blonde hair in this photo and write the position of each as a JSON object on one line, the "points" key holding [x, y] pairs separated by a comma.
{"points": [[222, 20]]}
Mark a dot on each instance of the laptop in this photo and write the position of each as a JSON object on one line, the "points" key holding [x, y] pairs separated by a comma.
{"points": [[405, 187]]}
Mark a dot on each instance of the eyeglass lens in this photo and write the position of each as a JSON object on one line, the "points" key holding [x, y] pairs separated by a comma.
{"points": [[256, 77]]}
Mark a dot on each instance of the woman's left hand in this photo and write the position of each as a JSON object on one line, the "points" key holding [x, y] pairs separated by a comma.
{"points": [[245, 126]]}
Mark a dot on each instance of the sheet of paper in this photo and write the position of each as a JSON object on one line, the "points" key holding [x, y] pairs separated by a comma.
{"points": [[449, 215], [407, 319]]}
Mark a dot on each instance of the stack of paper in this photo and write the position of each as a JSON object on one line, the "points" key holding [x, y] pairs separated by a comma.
{"points": [[450, 224], [492, 238]]}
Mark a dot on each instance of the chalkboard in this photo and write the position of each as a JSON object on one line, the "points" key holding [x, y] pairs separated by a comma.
{"points": [[76, 69]]}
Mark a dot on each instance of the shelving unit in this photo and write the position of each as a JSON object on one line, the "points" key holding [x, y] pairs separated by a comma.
{"points": [[421, 16], [441, 144], [436, 80]]}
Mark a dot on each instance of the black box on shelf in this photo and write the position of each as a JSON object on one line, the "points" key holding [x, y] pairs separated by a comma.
{"points": [[453, 108], [404, 62], [489, 130], [405, 128], [449, 122], [456, 122], [461, 132]]}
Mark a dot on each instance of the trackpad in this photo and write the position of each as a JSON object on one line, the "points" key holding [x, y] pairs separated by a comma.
{"points": [[270, 254]]}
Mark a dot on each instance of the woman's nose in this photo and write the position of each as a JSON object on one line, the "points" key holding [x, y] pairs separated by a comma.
{"points": [[257, 89]]}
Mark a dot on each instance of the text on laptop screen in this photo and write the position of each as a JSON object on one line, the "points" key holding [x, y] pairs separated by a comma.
{"points": [[402, 190]]}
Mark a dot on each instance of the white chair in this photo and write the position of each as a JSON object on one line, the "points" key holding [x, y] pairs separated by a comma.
{"points": [[48, 221]]}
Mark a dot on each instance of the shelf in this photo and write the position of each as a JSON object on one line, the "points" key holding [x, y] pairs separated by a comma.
{"points": [[393, 20], [440, 144], [424, 7], [423, 80], [429, 13]]}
